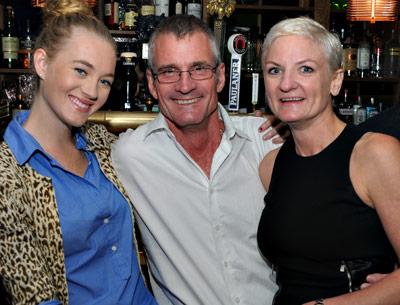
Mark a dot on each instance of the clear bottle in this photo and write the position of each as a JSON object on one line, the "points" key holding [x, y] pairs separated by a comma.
{"points": [[391, 66], [363, 54], [194, 8], [377, 55], [26, 47], [129, 81], [360, 113], [161, 7], [10, 41]]}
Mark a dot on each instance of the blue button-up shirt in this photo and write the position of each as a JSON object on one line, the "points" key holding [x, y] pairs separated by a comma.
{"points": [[96, 225]]}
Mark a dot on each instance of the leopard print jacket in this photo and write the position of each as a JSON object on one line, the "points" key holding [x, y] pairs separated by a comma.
{"points": [[31, 245]]}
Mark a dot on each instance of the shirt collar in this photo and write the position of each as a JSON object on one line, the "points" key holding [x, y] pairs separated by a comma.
{"points": [[24, 145], [160, 123]]}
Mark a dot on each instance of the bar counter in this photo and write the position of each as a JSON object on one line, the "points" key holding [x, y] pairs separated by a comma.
{"points": [[119, 121]]}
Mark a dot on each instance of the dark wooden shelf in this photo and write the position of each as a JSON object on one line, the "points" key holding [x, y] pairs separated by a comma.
{"points": [[122, 33], [14, 71], [372, 79], [261, 8]]}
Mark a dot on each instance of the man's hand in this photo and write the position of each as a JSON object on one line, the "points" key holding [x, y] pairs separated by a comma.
{"points": [[372, 279], [279, 132]]}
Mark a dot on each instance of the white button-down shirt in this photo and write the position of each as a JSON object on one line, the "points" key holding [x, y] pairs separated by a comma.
{"points": [[199, 232]]}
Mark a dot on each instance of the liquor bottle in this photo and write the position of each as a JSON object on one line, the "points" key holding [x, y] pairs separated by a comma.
{"points": [[129, 81], [131, 14], [194, 8], [391, 66], [363, 54], [26, 47], [371, 109], [111, 14], [19, 104], [360, 113], [179, 7], [333, 28], [10, 41], [377, 55], [345, 108], [147, 102], [350, 53], [161, 7]]}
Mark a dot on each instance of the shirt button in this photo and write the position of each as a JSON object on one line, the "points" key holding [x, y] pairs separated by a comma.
{"points": [[226, 264], [114, 248], [106, 220], [217, 228], [237, 300]]}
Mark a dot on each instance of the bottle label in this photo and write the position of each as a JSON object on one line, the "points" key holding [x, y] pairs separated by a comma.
{"points": [[346, 111], [130, 19], [194, 9], [10, 44], [27, 44], [162, 7], [147, 10], [10, 55], [360, 116]]}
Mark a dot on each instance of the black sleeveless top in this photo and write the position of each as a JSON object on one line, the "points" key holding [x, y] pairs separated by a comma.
{"points": [[313, 221]]}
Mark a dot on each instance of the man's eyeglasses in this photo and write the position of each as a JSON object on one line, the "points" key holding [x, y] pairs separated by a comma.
{"points": [[171, 75]]}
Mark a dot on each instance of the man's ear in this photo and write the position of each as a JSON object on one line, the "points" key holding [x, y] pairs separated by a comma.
{"points": [[220, 77], [40, 61], [151, 84]]}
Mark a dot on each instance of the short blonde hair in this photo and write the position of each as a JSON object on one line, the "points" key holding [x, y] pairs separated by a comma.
{"points": [[305, 26]]}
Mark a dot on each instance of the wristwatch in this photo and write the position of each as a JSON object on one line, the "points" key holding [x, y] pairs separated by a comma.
{"points": [[319, 302]]}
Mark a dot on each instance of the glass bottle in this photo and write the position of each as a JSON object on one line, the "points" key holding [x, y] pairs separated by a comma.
{"points": [[377, 55], [10, 41], [26, 47], [179, 7], [350, 54], [363, 54], [111, 14], [360, 113], [129, 81], [391, 66], [345, 108], [131, 14], [194, 8], [161, 7], [371, 109]]}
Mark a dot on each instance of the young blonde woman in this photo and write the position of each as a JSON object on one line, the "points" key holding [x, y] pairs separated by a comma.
{"points": [[66, 226]]}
